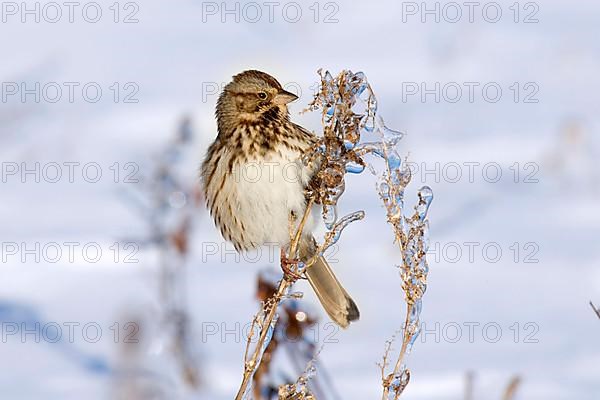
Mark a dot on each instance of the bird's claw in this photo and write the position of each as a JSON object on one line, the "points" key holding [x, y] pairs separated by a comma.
{"points": [[290, 267]]}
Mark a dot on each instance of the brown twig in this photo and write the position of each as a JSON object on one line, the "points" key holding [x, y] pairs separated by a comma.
{"points": [[386, 354]]}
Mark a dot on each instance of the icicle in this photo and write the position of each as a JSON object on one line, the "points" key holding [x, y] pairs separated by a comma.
{"points": [[389, 136], [354, 168], [425, 197], [329, 215]]}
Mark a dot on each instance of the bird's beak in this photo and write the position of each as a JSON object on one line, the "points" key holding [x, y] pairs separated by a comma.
{"points": [[284, 97]]}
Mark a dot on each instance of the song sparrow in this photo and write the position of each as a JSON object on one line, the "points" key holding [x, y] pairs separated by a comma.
{"points": [[253, 179]]}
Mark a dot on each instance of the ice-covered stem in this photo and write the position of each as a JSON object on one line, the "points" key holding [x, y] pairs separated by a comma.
{"points": [[333, 236], [266, 319], [414, 269], [410, 234], [267, 324]]}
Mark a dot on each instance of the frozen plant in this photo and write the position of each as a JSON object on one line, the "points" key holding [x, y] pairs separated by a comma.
{"points": [[348, 111]]}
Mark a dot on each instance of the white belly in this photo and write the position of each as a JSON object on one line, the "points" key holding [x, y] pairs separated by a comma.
{"points": [[266, 192]]}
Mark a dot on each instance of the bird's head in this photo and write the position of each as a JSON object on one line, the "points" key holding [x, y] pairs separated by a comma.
{"points": [[253, 97]]}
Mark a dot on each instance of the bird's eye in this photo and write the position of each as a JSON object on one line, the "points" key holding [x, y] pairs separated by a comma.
{"points": [[262, 95]]}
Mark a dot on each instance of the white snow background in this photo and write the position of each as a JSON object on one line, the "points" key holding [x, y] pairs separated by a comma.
{"points": [[172, 55]]}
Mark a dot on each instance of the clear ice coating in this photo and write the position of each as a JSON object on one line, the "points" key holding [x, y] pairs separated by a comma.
{"points": [[349, 109], [249, 364], [342, 125], [349, 112], [355, 168], [397, 383], [329, 216], [335, 232], [425, 197]]}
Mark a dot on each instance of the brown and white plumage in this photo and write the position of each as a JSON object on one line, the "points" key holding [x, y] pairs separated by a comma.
{"points": [[253, 178]]}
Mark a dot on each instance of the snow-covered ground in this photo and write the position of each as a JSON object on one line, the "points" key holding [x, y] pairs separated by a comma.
{"points": [[522, 312]]}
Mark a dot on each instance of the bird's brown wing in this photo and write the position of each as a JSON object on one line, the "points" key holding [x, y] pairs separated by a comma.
{"points": [[335, 300]]}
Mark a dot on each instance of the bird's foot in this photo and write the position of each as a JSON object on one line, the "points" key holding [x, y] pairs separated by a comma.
{"points": [[290, 267]]}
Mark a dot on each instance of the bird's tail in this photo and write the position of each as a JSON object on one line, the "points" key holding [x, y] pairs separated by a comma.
{"points": [[335, 300]]}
